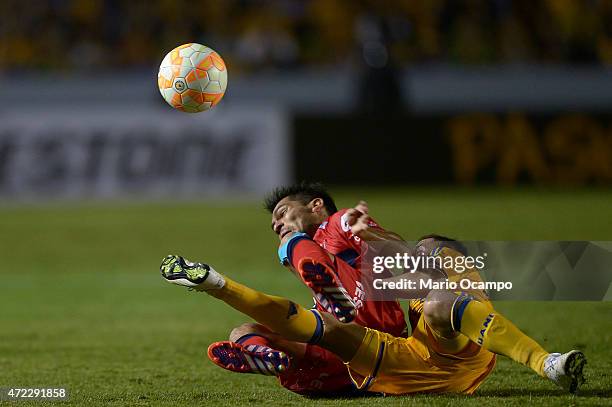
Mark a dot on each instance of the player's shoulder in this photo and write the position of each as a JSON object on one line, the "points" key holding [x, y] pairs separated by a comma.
{"points": [[337, 220]]}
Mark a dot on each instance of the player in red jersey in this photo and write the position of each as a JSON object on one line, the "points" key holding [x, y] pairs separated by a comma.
{"points": [[303, 368]]}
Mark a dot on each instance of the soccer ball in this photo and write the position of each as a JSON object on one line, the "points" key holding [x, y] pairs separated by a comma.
{"points": [[192, 78]]}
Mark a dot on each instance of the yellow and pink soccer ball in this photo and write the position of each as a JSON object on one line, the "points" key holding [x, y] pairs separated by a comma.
{"points": [[192, 78]]}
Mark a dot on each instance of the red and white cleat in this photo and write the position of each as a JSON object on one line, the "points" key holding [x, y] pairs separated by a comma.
{"points": [[248, 358], [328, 290]]}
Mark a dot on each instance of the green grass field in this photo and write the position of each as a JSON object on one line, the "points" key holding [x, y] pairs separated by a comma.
{"points": [[82, 304]]}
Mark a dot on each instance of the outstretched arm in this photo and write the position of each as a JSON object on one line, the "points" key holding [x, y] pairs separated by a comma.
{"points": [[388, 243]]}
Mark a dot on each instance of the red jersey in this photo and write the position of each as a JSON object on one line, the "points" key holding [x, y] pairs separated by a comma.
{"points": [[335, 236], [319, 371]]}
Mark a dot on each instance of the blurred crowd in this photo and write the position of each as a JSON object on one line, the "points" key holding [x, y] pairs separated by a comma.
{"points": [[292, 34]]}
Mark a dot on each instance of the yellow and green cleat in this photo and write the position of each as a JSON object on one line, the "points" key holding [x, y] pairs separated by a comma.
{"points": [[178, 270]]}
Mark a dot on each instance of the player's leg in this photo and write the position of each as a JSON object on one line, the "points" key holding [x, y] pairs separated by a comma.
{"points": [[288, 319], [312, 370], [251, 333], [449, 314]]}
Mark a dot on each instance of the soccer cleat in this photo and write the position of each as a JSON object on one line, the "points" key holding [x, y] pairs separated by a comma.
{"points": [[566, 369], [328, 290], [248, 358], [199, 276]]}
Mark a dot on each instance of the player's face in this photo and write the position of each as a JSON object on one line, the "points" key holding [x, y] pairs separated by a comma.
{"points": [[291, 216]]}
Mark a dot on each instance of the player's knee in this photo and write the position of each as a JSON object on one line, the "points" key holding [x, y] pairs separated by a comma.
{"points": [[246, 329], [437, 309], [333, 328], [342, 339]]}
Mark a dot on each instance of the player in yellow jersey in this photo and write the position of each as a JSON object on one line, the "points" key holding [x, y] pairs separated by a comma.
{"points": [[452, 348], [437, 357]]}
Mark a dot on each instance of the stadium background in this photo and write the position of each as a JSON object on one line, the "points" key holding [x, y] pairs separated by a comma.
{"points": [[480, 120]]}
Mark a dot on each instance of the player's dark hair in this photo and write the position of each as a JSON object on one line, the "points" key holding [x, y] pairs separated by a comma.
{"points": [[303, 192], [448, 242]]}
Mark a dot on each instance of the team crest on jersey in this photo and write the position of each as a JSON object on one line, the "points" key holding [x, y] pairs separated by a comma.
{"points": [[323, 225], [344, 223]]}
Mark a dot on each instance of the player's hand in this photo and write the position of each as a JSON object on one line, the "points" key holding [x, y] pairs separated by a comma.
{"points": [[362, 207], [353, 214], [358, 218]]}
